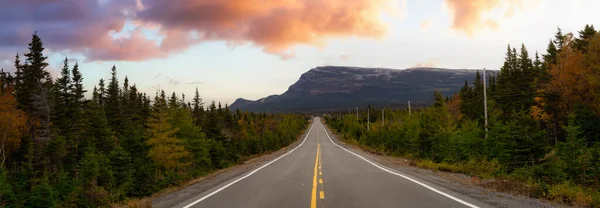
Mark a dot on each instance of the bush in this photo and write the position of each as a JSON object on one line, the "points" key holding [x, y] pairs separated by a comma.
{"points": [[569, 193], [427, 164]]}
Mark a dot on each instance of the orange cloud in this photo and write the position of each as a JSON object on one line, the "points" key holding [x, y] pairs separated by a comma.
{"points": [[470, 16], [425, 24], [274, 25], [114, 29], [428, 64]]}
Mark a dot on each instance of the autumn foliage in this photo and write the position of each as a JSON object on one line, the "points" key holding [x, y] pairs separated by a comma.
{"points": [[544, 123], [12, 124], [61, 149]]}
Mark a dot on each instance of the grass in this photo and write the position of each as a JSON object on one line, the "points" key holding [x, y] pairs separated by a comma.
{"points": [[564, 193], [491, 175], [147, 201]]}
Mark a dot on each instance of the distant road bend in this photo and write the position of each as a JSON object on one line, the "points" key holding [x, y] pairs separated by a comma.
{"points": [[320, 173]]}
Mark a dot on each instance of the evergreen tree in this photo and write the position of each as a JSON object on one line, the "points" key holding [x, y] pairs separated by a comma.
{"points": [[198, 109], [6, 192], [113, 102], [166, 150], [42, 195], [559, 39], [33, 89], [63, 105], [585, 35], [572, 149]]}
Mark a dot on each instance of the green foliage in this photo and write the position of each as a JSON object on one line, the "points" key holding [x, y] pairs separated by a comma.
{"points": [[543, 123], [6, 194], [42, 195], [118, 145]]}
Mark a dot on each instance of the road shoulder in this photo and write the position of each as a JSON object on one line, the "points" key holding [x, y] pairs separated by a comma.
{"points": [[454, 182], [220, 177]]}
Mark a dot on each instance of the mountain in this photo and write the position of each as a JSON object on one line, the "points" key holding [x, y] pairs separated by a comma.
{"points": [[330, 88]]}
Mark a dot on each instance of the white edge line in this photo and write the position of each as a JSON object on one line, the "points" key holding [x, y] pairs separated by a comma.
{"points": [[249, 174], [403, 176]]}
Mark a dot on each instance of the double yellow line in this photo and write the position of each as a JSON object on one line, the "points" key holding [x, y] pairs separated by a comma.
{"points": [[318, 169]]}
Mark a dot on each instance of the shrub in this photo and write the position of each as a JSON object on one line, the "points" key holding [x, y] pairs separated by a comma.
{"points": [[569, 193]]}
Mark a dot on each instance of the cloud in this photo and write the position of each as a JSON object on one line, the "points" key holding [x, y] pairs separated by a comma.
{"points": [[344, 57], [114, 29], [425, 24], [168, 78], [195, 83], [434, 62], [470, 16]]}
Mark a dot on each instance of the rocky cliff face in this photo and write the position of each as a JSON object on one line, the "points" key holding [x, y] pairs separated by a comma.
{"points": [[331, 88]]}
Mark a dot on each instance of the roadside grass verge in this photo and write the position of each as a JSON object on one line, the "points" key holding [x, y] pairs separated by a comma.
{"points": [[491, 175], [146, 202]]}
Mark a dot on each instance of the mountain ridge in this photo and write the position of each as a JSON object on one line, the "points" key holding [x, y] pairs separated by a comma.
{"points": [[327, 88]]}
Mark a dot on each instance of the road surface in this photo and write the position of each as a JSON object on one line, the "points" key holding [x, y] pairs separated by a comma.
{"points": [[320, 173]]}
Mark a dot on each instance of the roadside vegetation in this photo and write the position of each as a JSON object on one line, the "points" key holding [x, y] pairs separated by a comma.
{"points": [[61, 149], [543, 132]]}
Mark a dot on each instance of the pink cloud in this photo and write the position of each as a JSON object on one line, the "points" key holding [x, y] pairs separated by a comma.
{"points": [[276, 26]]}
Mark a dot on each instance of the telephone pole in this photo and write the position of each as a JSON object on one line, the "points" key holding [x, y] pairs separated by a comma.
{"points": [[382, 118], [409, 107], [485, 104], [368, 118]]}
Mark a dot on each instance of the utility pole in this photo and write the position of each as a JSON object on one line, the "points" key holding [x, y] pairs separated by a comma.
{"points": [[382, 117], [485, 104], [368, 118], [409, 107]]}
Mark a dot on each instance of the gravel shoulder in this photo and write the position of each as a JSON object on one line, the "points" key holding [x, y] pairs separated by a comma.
{"points": [[220, 177], [456, 182]]}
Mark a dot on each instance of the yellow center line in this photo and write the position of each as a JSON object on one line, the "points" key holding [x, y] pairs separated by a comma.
{"points": [[322, 192], [313, 199]]}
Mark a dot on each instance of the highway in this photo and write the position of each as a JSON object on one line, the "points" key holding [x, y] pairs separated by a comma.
{"points": [[320, 173]]}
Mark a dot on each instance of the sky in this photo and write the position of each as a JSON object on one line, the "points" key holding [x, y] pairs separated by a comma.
{"points": [[254, 48]]}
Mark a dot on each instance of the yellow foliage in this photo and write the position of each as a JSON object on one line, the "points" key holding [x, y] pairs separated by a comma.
{"points": [[165, 149], [576, 77], [13, 123]]}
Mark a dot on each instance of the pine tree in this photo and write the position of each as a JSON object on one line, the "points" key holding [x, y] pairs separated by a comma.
{"points": [[7, 195], [551, 55], [63, 108], [165, 149], [78, 117], [33, 89], [42, 195], [559, 39], [213, 123], [198, 109], [101, 93], [572, 148], [585, 36], [113, 103]]}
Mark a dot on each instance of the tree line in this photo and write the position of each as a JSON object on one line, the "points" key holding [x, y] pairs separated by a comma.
{"points": [[544, 122], [61, 149]]}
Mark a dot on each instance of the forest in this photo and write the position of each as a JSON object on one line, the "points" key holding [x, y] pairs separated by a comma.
{"points": [[61, 148], [543, 123]]}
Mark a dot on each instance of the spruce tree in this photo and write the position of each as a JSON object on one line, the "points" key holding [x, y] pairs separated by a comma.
{"points": [[33, 91], [585, 35], [113, 102], [198, 109], [62, 100], [166, 150]]}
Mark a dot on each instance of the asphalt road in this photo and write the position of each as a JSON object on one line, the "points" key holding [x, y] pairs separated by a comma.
{"points": [[321, 173]]}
